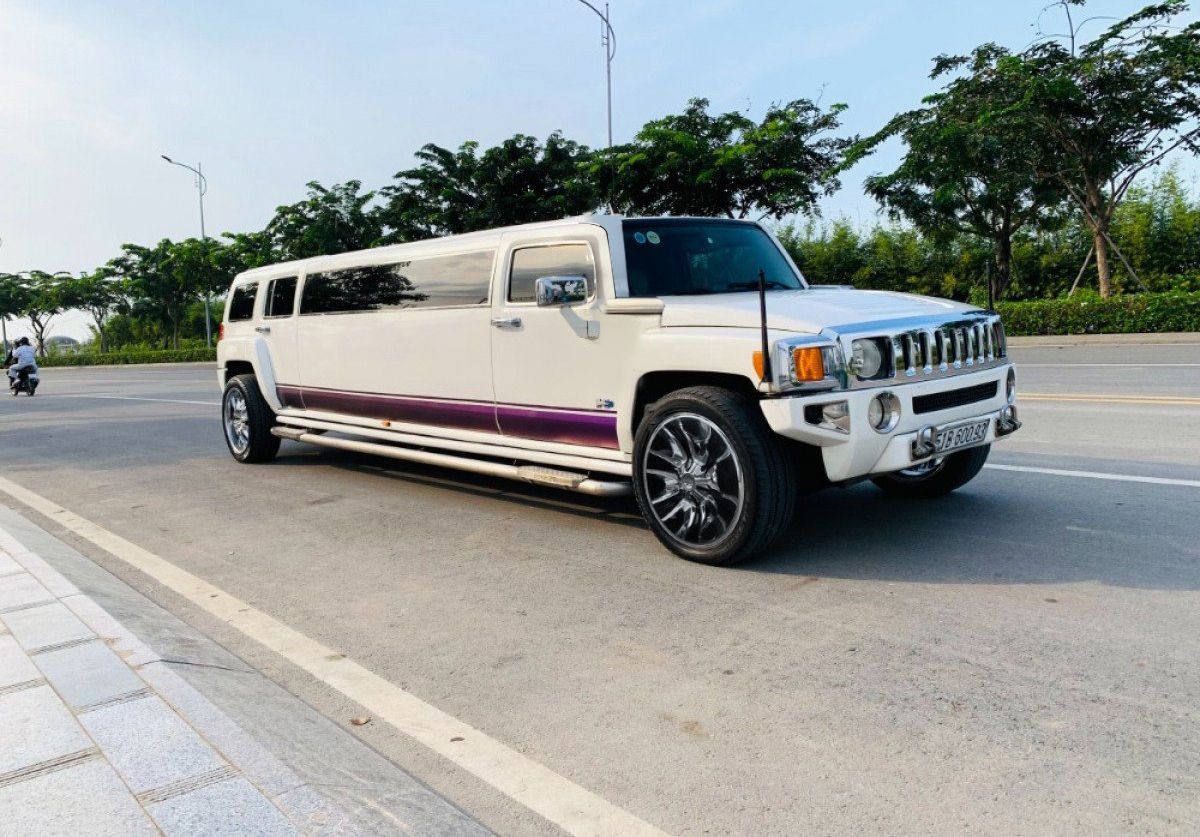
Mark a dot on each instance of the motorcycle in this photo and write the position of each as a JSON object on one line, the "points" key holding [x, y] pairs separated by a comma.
{"points": [[27, 380]]}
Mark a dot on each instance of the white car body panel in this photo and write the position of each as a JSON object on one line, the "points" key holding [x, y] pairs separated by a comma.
{"points": [[563, 386]]}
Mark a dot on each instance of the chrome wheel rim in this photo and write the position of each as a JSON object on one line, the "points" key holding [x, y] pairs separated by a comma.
{"points": [[925, 469], [692, 480], [237, 421]]}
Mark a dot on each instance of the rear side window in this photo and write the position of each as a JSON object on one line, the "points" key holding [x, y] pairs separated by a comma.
{"points": [[241, 304], [437, 282], [281, 301], [530, 263]]}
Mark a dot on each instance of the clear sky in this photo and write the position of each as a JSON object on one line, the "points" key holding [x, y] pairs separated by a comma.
{"points": [[269, 94]]}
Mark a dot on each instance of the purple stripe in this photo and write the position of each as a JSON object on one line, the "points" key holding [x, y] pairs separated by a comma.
{"points": [[290, 396], [598, 430], [470, 416], [571, 427]]}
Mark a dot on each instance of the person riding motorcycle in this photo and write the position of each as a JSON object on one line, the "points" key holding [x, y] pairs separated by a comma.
{"points": [[24, 358]]}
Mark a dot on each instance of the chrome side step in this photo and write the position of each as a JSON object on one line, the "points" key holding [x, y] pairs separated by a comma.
{"points": [[535, 474]]}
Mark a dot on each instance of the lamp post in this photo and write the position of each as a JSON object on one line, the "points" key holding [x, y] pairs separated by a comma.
{"points": [[3, 326], [202, 188], [608, 40]]}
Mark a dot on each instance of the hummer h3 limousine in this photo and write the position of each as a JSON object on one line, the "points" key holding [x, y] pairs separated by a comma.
{"points": [[684, 360]]}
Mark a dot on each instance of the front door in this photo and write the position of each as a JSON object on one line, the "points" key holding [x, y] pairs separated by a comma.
{"points": [[552, 379]]}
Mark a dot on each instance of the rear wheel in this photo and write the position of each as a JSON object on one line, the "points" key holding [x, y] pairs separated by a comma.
{"points": [[713, 482], [247, 420], [937, 476]]}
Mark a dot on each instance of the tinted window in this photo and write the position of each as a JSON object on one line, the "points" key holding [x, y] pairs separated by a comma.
{"points": [[241, 304], [282, 301], [461, 279], [557, 260], [665, 257]]}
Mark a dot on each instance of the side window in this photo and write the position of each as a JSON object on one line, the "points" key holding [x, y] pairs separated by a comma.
{"points": [[241, 304], [281, 301], [528, 263], [460, 279]]}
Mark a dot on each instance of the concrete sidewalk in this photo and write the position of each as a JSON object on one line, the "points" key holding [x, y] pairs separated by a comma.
{"points": [[98, 736]]}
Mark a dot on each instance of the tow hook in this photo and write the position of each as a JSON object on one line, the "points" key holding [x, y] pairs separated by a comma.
{"points": [[1007, 421], [922, 445]]}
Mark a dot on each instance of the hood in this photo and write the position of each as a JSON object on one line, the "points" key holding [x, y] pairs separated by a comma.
{"points": [[806, 311]]}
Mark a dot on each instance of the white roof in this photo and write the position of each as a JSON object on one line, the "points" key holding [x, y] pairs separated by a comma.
{"points": [[482, 239]]}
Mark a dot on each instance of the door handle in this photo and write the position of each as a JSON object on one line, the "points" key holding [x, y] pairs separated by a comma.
{"points": [[263, 329], [506, 322]]}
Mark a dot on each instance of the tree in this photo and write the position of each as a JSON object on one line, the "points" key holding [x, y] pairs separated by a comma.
{"points": [[330, 220], [696, 163], [13, 295], [162, 281], [98, 293], [519, 181], [41, 301], [969, 165], [1112, 108]]}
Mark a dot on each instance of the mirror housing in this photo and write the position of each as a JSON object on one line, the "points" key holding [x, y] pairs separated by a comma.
{"points": [[560, 290]]}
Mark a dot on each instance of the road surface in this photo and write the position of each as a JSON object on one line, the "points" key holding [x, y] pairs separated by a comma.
{"points": [[1020, 656]]}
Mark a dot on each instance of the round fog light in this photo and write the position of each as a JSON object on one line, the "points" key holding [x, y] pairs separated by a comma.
{"points": [[1010, 388], [883, 412]]}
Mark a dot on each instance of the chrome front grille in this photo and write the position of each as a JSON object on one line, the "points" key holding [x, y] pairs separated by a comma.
{"points": [[933, 349]]}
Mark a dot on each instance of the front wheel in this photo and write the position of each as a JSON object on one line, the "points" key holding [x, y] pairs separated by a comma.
{"points": [[711, 479], [937, 476], [247, 420]]}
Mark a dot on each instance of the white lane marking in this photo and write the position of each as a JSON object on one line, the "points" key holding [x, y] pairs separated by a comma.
{"points": [[1094, 475], [573, 808], [1101, 365], [135, 398], [1159, 400]]}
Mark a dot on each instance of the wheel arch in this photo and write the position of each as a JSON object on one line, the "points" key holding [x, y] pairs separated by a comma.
{"points": [[652, 386]]}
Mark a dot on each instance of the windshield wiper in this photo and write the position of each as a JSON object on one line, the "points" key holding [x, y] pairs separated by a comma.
{"points": [[753, 286]]}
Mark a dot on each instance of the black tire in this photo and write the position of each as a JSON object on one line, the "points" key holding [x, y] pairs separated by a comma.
{"points": [[764, 472], [257, 444], [954, 471]]}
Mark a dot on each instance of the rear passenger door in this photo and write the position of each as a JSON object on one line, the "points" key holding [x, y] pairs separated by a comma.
{"points": [[277, 329], [403, 341]]}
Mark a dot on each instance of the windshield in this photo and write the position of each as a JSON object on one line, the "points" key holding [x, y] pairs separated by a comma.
{"points": [[666, 257]]}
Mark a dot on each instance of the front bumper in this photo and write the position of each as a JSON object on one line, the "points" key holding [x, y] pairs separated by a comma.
{"points": [[863, 451]]}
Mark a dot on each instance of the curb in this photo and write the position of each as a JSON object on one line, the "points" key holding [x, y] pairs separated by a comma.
{"points": [[1144, 339], [265, 793], [173, 365]]}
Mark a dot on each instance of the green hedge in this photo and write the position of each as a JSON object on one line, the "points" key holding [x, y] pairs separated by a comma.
{"points": [[1087, 313], [124, 356]]}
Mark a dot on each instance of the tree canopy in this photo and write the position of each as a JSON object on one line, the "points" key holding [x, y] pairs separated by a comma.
{"points": [[698, 163], [968, 166]]}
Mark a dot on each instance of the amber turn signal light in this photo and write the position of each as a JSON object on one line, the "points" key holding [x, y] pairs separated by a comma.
{"points": [[809, 364], [758, 364]]}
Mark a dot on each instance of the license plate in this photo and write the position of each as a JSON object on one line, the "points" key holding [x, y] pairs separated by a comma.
{"points": [[961, 435]]}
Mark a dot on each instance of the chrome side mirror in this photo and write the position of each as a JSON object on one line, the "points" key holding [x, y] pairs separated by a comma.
{"points": [[560, 290]]}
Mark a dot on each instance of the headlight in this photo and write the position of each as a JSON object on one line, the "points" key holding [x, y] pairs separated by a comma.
{"points": [[866, 360], [1010, 388], [883, 412]]}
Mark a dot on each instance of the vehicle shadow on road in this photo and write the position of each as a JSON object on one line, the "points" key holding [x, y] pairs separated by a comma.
{"points": [[993, 531]]}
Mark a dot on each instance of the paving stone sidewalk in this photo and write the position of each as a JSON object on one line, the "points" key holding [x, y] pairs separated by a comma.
{"points": [[98, 736]]}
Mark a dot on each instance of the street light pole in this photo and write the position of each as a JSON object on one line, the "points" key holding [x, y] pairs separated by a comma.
{"points": [[202, 189], [608, 40], [3, 326]]}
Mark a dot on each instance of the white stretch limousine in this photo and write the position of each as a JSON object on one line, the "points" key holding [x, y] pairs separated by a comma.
{"points": [[683, 359]]}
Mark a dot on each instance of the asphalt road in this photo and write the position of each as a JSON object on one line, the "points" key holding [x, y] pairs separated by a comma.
{"points": [[1018, 657]]}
